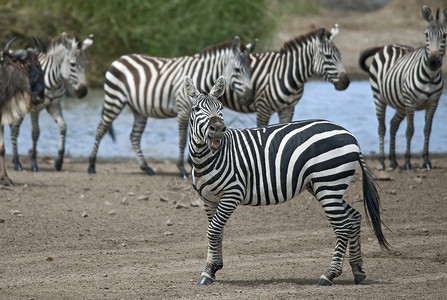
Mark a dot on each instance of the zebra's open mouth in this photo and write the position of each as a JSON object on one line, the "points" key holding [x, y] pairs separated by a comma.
{"points": [[214, 144]]}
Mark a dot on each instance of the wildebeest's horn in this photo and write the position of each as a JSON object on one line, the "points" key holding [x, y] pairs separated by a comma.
{"points": [[36, 41], [9, 44]]}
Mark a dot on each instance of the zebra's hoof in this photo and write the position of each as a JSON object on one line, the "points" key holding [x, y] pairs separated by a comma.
{"points": [[91, 170], [359, 278], [324, 281], [203, 280]]}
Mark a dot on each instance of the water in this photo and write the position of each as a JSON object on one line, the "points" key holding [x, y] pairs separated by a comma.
{"points": [[353, 108]]}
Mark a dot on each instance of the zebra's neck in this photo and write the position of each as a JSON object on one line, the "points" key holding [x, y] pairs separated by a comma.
{"points": [[51, 63]]}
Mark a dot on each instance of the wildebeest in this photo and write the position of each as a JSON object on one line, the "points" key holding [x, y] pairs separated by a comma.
{"points": [[21, 86]]}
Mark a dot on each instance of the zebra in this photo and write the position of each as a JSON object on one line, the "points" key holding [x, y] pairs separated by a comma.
{"points": [[279, 76], [272, 164], [152, 86], [64, 64], [408, 79]]}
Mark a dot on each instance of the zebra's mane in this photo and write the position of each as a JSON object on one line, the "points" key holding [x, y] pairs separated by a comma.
{"points": [[71, 36], [217, 48], [301, 40]]}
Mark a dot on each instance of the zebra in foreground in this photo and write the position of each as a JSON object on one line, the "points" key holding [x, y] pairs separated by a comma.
{"points": [[279, 76], [408, 79], [153, 87], [315, 155], [63, 63]]}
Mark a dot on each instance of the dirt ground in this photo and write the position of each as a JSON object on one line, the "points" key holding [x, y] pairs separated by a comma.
{"points": [[120, 234]]}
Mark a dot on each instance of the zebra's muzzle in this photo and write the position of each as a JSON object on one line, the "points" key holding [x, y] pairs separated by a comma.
{"points": [[343, 82], [81, 91], [434, 62], [216, 130]]}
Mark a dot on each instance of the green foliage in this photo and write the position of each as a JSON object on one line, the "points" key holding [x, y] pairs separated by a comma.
{"points": [[165, 28]]}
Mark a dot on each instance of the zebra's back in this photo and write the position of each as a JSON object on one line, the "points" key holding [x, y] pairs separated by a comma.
{"points": [[275, 163], [148, 84]]}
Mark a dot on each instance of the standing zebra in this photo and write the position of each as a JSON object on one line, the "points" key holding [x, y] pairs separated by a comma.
{"points": [[152, 86], [408, 79], [273, 164], [64, 64], [279, 76]]}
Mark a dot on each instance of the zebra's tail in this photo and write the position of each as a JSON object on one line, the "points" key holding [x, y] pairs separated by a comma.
{"points": [[371, 201], [365, 55]]}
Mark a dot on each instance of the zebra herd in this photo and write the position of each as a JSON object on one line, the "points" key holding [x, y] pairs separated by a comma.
{"points": [[315, 155]]}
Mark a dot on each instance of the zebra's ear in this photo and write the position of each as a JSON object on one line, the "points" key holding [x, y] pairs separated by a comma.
{"points": [[236, 44], [218, 88], [87, 42], [250, 48], [427, 14], [322, 34], [444, 19], [190, 88]]}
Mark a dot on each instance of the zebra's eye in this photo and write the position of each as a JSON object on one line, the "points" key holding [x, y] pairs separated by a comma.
{"points": [[196, 108]]}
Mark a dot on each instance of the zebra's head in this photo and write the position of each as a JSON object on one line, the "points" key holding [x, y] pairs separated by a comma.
{"points": [[75, 62], [238, 71], [435, 35], [327, 59], [206, 120]]}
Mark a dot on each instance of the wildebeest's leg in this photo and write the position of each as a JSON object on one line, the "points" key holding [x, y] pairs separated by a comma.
{"points": [[218, 216], [3, 176], [135, 138], [394, 126], [15, 130], [286, 115], [35, 136], [55, 110], [182, 118], [380, 113], [429, 113], [409, 135]]}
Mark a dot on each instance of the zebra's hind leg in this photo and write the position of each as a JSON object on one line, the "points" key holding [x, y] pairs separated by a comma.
{"points": [[355, 253], [15, 129], [380, 112], [35, 136], [409, 135], [337, 212], [135, 138]]}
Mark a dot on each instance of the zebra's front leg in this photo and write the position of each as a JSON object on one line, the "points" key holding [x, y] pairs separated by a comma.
{"points": [[135, 139], [35, 132], [218, 217], [15, 129], [409, 135], [55, 110], [395, 122], [429, 113]]}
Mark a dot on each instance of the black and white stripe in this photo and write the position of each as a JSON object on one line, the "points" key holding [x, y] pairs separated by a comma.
{"points": [[408, 79], [279, 76], [64, 64], [152, 87], [273, 164]]}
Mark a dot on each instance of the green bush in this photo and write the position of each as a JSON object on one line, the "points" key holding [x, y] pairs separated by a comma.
{"points": [[165, 28]]}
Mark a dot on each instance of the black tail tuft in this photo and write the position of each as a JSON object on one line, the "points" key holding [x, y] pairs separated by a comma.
{"points": [[372, 205]]}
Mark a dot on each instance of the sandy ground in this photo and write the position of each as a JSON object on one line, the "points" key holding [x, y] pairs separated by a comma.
{"points": [[120, 234]]}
